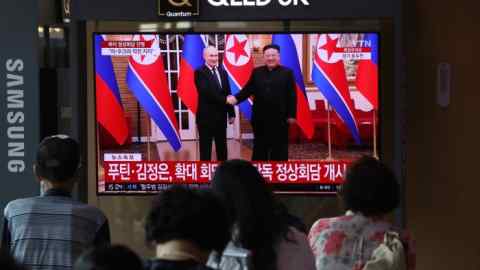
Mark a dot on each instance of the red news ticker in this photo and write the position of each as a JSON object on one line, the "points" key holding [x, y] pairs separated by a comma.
{"points": [[126, 44], [200, 172]]}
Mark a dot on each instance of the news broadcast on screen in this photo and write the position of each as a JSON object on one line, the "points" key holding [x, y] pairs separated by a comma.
{"points": [[170, 107]]}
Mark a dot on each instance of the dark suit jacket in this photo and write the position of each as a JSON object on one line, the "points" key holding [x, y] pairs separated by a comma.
{"points": [[275, 98], [212, 109]]}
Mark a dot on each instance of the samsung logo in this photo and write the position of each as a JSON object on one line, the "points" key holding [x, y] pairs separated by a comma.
{"points": [[256, 3], [15, 115]]}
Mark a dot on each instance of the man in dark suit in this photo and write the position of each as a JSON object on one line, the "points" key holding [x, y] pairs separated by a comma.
{"points": [[274, 105], [213, 89]]}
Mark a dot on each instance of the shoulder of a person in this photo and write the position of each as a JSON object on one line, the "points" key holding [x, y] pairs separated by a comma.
{"points": [[201, 69], [330, 220], [16, 204], [91, 212], [288, 71], [92, 209], [324, 225], [261, 68], [285, 68]]}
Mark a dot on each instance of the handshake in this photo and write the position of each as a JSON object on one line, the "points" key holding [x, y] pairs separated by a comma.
{"points": [[232, 100]]}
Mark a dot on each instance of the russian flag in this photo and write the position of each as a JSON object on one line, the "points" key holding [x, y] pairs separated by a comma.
{"points": [[238, 63], [328, 74], [109, 103], [147, 80], [367, 72], [289, 58], [191, 59]]}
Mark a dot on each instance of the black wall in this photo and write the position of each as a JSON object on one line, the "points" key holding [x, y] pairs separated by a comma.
{"points": [[146, 10]]}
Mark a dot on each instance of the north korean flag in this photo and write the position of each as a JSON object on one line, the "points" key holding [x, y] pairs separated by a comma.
{"points": [[328, 74], [147, 80], [238, 63]]}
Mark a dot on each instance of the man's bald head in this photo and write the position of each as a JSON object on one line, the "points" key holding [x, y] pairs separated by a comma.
{"points": [[210, 55]]}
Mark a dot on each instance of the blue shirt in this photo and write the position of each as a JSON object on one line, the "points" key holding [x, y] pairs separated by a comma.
{"points": [[51, 231]]}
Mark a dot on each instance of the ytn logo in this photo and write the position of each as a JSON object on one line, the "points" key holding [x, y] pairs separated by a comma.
{"points": [[257, 3]]}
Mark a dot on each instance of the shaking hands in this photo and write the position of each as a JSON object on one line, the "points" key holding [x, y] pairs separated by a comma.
{"points": [[232, 100]]}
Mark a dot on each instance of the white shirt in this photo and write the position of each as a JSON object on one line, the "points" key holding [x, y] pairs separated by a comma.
{"points": [[214, 70]]}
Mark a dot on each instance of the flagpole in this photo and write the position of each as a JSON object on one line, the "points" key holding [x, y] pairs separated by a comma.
{"points": [[139, 125], [197, 144], [149, 134], [375, 153], [238, 127], [329, 133]]}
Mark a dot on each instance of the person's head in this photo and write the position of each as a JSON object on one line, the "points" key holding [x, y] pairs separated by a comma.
{"points": [[109, 258], [210, 55], [271, 55], [57, 159], [195, 216], [252, 208], [370, 188], [243, 189]]}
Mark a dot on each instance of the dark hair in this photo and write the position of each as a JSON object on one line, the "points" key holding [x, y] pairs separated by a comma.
{"points": [[193, 215], [7, 262], [292, 220], [57, 159], [370, 188], [271, 46], [251, 206], [109, 258]]}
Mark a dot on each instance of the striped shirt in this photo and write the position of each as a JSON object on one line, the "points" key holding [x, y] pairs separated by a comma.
{"points": [[51, 231]]}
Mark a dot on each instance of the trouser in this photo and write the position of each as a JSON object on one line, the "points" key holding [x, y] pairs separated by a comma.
{"points": [[270, 142], [207, 136]]}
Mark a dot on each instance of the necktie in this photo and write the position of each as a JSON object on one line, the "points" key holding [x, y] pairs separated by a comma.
{"points": [[217, 76]]}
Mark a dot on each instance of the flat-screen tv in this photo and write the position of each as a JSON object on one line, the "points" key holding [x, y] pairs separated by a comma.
{"points": [[151, 94]]}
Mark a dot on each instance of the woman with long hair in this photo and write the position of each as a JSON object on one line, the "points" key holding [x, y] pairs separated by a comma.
{"points": [[259, 225]]}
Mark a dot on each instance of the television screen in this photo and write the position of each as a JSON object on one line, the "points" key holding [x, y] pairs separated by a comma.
{"points": [[170, 107]]}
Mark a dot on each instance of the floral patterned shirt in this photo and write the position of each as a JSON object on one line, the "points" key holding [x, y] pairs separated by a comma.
{"points": [[347, 242]]}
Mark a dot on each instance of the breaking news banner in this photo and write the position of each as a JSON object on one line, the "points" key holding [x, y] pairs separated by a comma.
{"points": [[153, 175]]}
